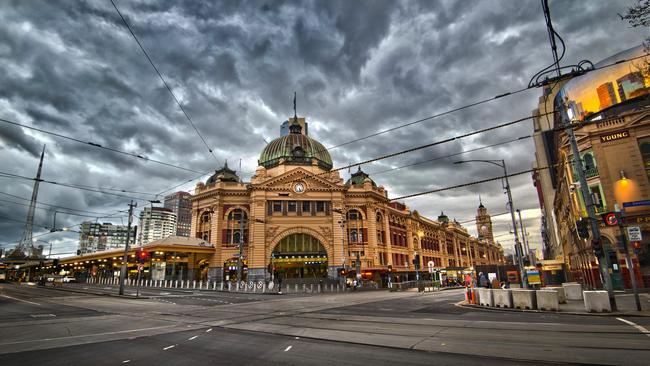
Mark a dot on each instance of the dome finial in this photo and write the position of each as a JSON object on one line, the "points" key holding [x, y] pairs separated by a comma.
{"points": [[294, 126]]}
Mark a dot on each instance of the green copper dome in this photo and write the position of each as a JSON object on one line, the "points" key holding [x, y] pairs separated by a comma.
{"points": [[296, 149]]}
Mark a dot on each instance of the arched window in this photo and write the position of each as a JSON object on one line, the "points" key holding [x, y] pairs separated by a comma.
{"points": [[205, 217], [355, 226], [590, 163], [236, 224]]}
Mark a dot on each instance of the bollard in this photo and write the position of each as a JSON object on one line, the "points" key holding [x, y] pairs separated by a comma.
{"points": [[311, 288], [221, 286], [165, 283], [296, 288], [337, 287], [193, 285], [319, 288], [229, 285]]}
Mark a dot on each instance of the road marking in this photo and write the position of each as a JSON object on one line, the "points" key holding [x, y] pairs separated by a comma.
{"points": [[42, 315], [168, 347], [297, 337], [288, 348], [126, 361], [209, 330], [88, 335], [13, 298], [638, 327], [191, 338]]}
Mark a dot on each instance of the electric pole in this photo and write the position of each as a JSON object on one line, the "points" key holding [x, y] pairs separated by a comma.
{"points": [[126, 249], [603, 261]]}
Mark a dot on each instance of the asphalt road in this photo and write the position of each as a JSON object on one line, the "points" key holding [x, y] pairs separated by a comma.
{"points": [[55, 327]]}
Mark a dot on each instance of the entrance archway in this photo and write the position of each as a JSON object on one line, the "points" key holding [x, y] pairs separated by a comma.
{"points": [[299, 256]]}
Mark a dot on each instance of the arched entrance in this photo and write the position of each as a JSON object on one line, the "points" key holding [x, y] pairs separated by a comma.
{"points": [[299, 256]]}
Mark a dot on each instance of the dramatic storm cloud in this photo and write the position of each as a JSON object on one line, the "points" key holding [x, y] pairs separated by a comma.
{"points": [[358, 67]]}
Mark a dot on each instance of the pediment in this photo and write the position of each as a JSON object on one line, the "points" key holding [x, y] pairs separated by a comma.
{"points": [[287, 180]]}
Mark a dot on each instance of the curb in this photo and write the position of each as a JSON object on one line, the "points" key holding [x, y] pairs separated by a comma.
{"points": [[463, 304], [92, 292]]}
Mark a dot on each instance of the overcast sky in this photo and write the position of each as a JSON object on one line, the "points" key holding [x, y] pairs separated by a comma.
{"points": [[358, 67]]}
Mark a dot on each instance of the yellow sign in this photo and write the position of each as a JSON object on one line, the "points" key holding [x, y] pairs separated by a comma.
{"points": [[534, 278], [614, 136]]}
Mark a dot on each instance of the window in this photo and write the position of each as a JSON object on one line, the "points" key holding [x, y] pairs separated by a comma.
{"points": [[236, 221], [354, 236], [644, 146], [205, 217], [292, 206], [320, 206], [277, 206], [354, 215], [306, 206]]}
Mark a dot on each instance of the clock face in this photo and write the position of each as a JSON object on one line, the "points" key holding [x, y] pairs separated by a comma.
{"points": [[299, 187]]}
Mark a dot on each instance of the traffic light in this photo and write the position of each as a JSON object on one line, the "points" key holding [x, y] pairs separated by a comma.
{"points": [[141, 255], [637, 247], [597, 247], [78, 251], [341, 272], [582, 226]]}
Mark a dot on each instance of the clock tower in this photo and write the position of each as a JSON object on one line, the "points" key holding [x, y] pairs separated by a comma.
{"points": [[484, 223]]}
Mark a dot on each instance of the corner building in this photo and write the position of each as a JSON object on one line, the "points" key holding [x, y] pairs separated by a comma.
{"points": [[297, 218]]}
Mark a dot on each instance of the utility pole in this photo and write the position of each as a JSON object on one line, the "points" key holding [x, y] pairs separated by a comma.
{"points": [[524, 239], [628, 261], [126, 249], [603, 261]]}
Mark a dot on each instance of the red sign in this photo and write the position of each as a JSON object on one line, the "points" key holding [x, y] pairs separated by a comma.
{"points": [[610, 219]]}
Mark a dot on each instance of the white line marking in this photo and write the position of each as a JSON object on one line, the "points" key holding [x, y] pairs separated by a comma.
{"points": [[209, 330], [288, 348], [168, 347], [191, 338], [126, 361], [13, 298], [638, 327], [88, 335]]}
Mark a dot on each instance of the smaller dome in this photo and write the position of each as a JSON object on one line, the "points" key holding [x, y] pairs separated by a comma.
{"points": [[443, 218], [224, 174], [359, 177]]}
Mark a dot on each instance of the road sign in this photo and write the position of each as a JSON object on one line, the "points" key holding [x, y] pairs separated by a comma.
{"points": [[430, 264], [636, 203], [610, 218], [634, 233], [140, 267]]}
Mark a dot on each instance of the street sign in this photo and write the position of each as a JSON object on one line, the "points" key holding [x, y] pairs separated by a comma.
{"points": [[636, 203], [534, 278], [430, 264], [610, 218], [634, 233], [140, 267]]}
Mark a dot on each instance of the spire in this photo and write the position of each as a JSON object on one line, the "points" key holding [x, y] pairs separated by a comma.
{"points": [[294, 126], [480, 203], [26, 246]]}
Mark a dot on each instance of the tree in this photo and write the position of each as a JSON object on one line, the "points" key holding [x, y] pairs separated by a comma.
{"points": [[638, 15]]}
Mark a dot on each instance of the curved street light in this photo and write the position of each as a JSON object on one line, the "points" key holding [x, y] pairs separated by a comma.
{"points": [[502, 163]]}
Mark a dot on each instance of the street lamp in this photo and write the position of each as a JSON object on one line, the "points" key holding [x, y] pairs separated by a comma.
{"points": [[502, 163]]}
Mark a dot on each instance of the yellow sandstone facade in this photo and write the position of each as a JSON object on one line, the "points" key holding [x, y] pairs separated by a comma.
{"points": [[297, 218]]}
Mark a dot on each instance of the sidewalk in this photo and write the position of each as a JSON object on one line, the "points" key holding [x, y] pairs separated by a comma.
{"points": [[624, 302]]}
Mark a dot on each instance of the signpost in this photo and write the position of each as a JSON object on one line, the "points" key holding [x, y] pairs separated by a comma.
{"points": [[634, 233]]}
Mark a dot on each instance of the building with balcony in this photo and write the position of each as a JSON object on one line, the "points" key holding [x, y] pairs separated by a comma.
{"points": [[97, 237], [156, 223]]}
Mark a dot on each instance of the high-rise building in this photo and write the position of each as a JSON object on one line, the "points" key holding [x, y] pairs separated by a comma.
{"points": [[606, 95], [284, 127], [97, 237], [156, 223], [628, 84], [181, 205]]}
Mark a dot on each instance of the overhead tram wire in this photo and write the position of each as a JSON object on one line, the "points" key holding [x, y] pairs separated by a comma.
{"points": [[16, 176], [449, 155], [96, 145], [440, 142], [483, 101], [62, 210], [471, 183], [146, 54]]}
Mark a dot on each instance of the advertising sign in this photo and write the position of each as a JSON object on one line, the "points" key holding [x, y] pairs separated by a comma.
{"points": [[610, 218]]}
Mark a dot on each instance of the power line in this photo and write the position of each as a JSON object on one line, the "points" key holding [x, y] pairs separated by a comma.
{"points": [[450, 111], [96, 145], [449, 156], [470, 183], [163, 80], [53, 206], [14, 176], [45, 208], [451, 139]]}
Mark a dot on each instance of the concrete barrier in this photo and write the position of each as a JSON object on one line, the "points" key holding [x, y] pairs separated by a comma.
{"points": [[547, 300], [572, 290], [502, 298], [597, 302], [524, 299], [486, 297], [561, 294]]}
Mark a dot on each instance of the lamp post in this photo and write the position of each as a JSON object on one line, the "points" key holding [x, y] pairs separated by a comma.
{"points": [[502, 164]]}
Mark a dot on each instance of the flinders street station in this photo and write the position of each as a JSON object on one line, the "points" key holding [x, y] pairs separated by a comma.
{"points": [[297, 218]]}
